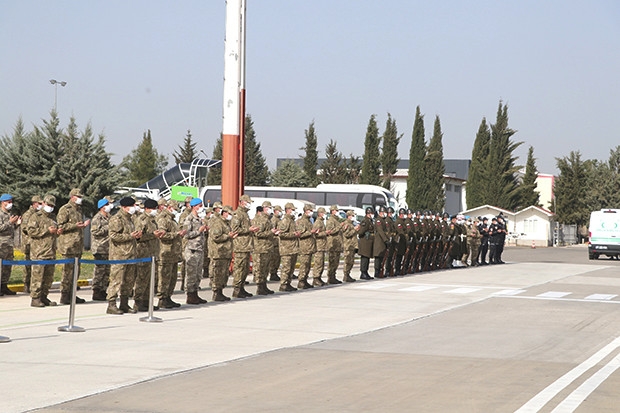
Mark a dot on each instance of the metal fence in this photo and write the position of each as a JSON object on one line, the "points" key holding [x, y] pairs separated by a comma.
{"points": [[564, 234]]}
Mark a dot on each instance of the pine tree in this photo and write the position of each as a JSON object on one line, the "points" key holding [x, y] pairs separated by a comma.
{"points": [[570, 190], [256, 171], [478, 177], [353, 169], [143, 163], [416, 184], [311, 157], [214, 176], [434, 170], [332, 170], [186, 153], [502, 186], [527, 190], [389, 153], [371, 161], [289, 173]]}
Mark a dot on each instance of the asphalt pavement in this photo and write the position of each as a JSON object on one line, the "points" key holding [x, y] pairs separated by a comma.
{"points": [[539, 333]]}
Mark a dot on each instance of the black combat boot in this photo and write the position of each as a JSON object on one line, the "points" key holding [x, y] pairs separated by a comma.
{"points": [[318, 282], [218, 295], [113, 309], [124, 307], [347, 278]]}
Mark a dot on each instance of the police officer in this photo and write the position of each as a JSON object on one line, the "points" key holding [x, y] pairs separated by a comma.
{"points": [[8, 224], [391, 246], [400, 241], [349, 234], [43, 231], [366, 236], [220, 251], [71, 241], [321, 247], [36, 205], [483, 228], [123, 246], [289, 246], [494, 237], [194, 255], [307, 246], [502, 231], [100, 247], [334, 244]]}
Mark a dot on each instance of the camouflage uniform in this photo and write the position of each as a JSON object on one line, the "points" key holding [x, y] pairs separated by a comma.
{"points": [[70, 244], [100, 247], [26, 239], [193, 252], [147, 246], [263, 244], [123, 246], [42, 247], [307, 247], [474, 239], [7, 236], [169, 255], [184, 214], [334, 245], [274, 255], [242, 247], [350, 245], [320, 235], [220, 252], [289, 248]]}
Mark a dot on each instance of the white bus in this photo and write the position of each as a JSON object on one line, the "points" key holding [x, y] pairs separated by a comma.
{"points": [[356, 197]]}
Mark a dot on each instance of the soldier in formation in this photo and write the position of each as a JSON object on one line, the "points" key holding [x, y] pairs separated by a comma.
{"points": [[100, 247], [8, 224], [194, 237], [35, 206], [43, 232]]}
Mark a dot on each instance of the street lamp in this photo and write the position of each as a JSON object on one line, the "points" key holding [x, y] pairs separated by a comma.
{"points": [[56, 83]]}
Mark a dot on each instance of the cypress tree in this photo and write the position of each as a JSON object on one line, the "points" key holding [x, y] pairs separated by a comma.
{"points": [[416, 185], [371, 161], [186, 153], [311, 157], [434, 169], [256, 171], [389, 153], [527, 190], [477, 180], [352, 169], [570, 190]]}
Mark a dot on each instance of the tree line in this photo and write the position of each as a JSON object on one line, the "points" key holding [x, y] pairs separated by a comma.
{"points": [[51, 159]]}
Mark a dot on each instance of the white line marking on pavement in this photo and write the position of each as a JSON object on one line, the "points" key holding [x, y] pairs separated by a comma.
{"points": [[601, 297], [463, 290], [418, 288], [554, 294], [375, 286], [509, 292], [541, 399], [577, 397]]}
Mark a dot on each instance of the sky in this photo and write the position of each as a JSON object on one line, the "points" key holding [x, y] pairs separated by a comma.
{"points": [[139, 65]]}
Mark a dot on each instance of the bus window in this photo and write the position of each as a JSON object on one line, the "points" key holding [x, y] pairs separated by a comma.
{"points": [[317, 198], [211, 196], [341, 198], [256, 193], [278, 194], [379, 200]]}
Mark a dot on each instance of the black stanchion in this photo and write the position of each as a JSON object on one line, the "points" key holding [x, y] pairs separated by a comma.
{"points": [[71, 327], [150, 318], [3, 339]]}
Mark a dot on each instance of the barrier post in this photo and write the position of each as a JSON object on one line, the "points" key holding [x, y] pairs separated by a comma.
{"points": [[3, 339], [72, 328], [150, 318]]}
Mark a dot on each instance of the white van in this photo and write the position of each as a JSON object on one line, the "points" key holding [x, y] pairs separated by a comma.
{"points": [[604, 234]]}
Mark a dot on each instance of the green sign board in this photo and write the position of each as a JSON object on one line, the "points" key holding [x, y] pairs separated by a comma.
{"points": [[179, 193]]}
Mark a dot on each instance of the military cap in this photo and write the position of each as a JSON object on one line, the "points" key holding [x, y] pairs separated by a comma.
{"points": [[350, 213], [76, 192], [172, 203], [445, 215], [369, 210], [308, 207], [245, 198], [418, 212], [195, 201], [217, 205], [321, 209], [188, 199], [109, 198], [127, 201], [161, 201], [36, 199], [50, 200], [333, 208], [382, 209], [494, 219], [452, 217], [277, 208], [402, 211], [289, 205], [266, 204], [500, 217], [228, 209], [208, 210], [150, 204], [101, 203], [485, 219], [409, 211], [390, 210], [5, 197]]}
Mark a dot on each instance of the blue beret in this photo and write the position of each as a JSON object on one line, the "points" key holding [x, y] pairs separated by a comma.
{"points": [[5, 197], [195, 201], [102, 202]]}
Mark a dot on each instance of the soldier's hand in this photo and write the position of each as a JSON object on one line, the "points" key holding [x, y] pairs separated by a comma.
{"points": [[14, 219], [53, 229], [254, 229], [275, 231], [182, 233], [297, 234], [58, 231], [203, 228]]}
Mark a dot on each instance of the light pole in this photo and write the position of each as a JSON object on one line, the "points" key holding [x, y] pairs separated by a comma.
{"points": [[56, 83]]}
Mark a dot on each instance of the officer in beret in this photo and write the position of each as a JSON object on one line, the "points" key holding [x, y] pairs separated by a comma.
{"points": [[184, 213], [35, 206], [366, 236], [193, 253]]}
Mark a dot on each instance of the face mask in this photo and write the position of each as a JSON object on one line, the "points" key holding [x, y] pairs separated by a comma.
{"points": [[9, 206], [267, 211], [39, 207], [278, 214], [201, 210], [292, 213], [48, 208], [132, 210], [107, 208], [202, 214], [78, 201], [153, 213], [352, 218], [228, 217], [309, 213]]}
